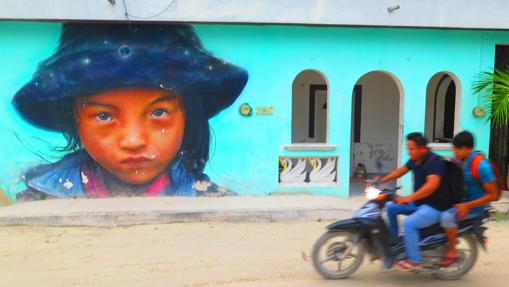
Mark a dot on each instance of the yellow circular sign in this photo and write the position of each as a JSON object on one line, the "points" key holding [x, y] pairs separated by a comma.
{"points": [[478, 112], [245, 110]]}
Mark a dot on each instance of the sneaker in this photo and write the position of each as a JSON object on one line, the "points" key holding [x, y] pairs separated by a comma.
{"points": [[448, 261], [407, 265]]}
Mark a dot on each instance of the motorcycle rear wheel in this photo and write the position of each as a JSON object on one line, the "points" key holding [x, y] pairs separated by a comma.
{"points": [[332, 249], [468, 252]]}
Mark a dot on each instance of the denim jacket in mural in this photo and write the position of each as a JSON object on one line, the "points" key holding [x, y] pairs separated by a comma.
{"points": [[78, 176]]}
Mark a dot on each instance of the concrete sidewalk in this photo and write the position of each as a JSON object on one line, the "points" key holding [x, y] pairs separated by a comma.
{"points": [[503, 203], [144, 210]]}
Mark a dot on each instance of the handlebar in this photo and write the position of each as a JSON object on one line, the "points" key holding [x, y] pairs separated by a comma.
{"points": [[392, 190], [376, 183]]}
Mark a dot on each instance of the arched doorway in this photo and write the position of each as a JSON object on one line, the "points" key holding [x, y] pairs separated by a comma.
{"points": [[377, 115]]}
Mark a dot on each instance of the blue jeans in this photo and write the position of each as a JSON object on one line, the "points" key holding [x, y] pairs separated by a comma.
{"points": [[448, 218], [393, 210], [419, 217]]}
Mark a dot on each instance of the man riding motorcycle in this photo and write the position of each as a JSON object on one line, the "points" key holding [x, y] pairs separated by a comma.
{"points": [[479, 191], [425, 205]]}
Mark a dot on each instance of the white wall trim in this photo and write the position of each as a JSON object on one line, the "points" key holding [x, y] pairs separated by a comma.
{"points": [[440, 146], [309, 146], [463, 14]]}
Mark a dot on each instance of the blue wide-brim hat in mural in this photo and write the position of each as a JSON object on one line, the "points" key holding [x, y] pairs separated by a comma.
{"points": [[94, 58]]}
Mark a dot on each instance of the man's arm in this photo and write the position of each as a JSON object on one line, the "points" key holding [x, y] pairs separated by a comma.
{"points": [[491, 189], [431, 185], [395, 174], [488, 183]]}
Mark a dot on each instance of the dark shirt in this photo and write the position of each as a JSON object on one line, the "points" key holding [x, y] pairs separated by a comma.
{"points": [[432, 164]]}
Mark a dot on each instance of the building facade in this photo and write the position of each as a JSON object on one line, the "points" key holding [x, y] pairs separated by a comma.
{"points": [[326, 100]]}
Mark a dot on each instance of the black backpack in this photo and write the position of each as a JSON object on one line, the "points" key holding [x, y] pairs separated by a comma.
{"points": [[453, 182]]}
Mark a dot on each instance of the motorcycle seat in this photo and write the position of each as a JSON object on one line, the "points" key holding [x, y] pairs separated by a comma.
{"points": [[436, 228]]}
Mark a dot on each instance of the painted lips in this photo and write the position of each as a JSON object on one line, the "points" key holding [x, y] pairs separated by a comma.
{"points": [[135, 161]]}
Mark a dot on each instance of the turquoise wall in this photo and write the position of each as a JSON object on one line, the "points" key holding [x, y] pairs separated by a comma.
{"points": [[245, 151]]}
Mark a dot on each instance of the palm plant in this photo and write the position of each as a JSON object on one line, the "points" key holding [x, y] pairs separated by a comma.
{"points": [[494, 90], [493, 86]]}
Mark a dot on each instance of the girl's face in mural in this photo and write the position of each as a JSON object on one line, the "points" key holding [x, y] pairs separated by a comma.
{"points": [[133, 133]]}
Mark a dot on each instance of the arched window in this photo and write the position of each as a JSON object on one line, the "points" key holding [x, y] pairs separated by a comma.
{"points": [[442, 107], [309, 108]]}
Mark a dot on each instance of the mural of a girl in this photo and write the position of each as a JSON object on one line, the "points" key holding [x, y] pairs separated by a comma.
{"points": [[133, 103]]}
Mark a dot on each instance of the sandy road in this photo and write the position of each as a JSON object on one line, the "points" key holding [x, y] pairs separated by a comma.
{"points": [[201, 254]]}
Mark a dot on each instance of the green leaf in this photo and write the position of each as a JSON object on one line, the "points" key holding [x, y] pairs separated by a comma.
{"points": [[493, 87]]}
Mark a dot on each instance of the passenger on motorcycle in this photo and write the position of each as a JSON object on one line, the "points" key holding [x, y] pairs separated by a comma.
{"points": [[425, 205], [478, 192]]}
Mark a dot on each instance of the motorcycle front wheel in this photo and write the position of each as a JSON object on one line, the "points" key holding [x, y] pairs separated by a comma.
{"points": [[335, 255]]}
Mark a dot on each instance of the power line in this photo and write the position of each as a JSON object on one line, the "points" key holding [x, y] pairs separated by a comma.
{"points": [[128, 15]]}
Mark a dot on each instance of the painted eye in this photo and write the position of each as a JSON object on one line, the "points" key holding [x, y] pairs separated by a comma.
{"points": [[159, 113], [104, 117]]}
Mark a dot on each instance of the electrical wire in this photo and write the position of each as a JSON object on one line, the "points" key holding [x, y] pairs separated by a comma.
{"points": [[128, 15]]}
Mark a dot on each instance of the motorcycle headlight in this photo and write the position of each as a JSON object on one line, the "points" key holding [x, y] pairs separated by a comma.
{"points": [[372, 192]]}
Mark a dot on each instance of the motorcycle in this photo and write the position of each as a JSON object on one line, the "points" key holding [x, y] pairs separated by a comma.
{"points": [[339, 252]]}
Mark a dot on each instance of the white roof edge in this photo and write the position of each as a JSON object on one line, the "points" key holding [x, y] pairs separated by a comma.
{"points": [[449, 14]]}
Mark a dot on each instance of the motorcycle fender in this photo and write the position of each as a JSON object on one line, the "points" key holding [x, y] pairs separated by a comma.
{"points": [[479, 235], [349, 224]]}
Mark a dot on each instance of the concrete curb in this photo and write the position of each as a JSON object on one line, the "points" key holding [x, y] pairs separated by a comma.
{"points": [[113, 212], [112, 219]]}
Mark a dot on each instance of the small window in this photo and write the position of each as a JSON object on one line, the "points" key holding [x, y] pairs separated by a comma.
{"points": [[441, 108], [309, 108]]}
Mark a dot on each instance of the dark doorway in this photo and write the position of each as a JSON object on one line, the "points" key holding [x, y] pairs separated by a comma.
{"points": [[499, 137], [449, 109], [317, 112], [357, 110]]}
